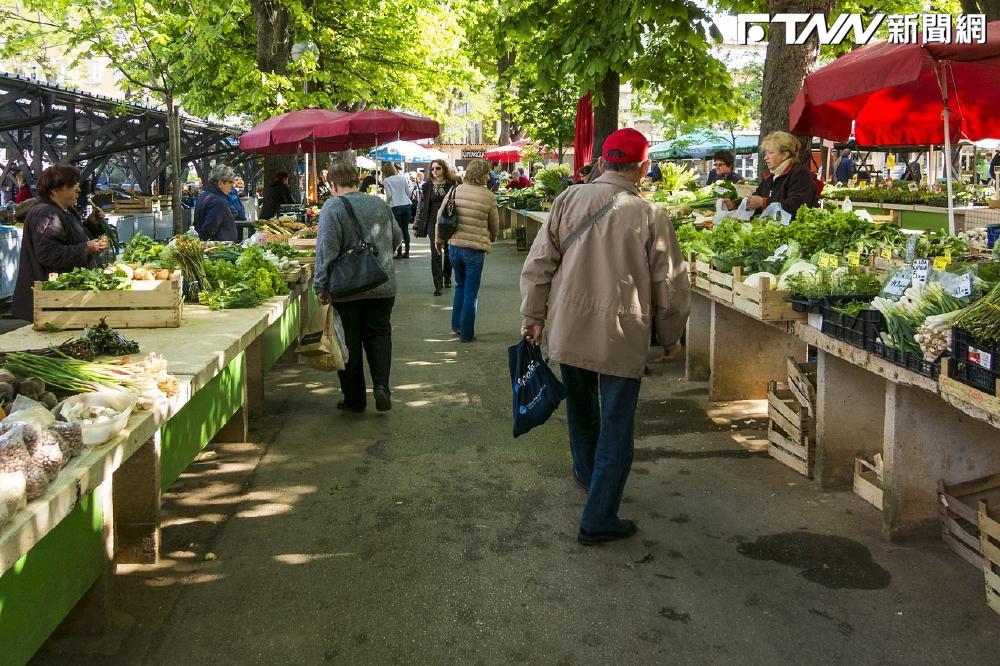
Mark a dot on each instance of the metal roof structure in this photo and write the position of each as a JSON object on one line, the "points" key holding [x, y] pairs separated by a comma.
{"points": [[42, 124]]}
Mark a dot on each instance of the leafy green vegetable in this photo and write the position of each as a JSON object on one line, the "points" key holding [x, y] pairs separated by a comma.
{"points": [[94, 279], [232, 297]]}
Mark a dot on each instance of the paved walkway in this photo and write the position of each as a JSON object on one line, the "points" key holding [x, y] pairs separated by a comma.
{"points": [[429, 536]]}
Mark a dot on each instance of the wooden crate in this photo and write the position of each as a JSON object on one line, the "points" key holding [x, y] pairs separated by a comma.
{"points": [[968, 394], [868, 482], [721, 285], [699, 271], [149, 304], [960, 528], [294, 276], [790, 432], [763, 303], [139, 205], [989, 542], [303, 244], [802, 383]]}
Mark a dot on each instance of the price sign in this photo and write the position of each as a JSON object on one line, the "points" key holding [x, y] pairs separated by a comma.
{"points": [[899, 283], [854, 259], [828, 261], [913, 187], [963, 287], [886, 253], [921, 270], [942, 262]]}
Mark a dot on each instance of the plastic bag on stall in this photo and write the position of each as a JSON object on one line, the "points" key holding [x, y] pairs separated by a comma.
{"points": [[777, 212], [26, 410], [741, 212]]}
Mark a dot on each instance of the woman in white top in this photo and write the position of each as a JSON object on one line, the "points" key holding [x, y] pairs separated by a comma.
{"points": [[397, 192]]}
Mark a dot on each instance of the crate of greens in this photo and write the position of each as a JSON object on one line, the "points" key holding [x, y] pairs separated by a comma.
{"points": [[84, 297]]}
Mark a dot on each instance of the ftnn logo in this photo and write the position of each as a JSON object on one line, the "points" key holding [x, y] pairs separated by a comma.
{"points": [[901, 28]]}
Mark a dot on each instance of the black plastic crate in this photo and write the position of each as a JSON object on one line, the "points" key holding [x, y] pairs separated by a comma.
{"points": [[909, 361], [861, 331], [974, 362], [805, 304]]}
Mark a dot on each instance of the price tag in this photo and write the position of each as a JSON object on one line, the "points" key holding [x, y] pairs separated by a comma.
{"points": [[779, 253], [914, 187], [854, 259], [921, 270], [979, 357], [899, 283], [963, 287], [911, 248], [828, 261], [942, 262], [886, 253]]}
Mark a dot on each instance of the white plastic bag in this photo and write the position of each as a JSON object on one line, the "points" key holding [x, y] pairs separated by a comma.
{"points": [[26, 410], [741, 212], [776, 211], [74, 409]]}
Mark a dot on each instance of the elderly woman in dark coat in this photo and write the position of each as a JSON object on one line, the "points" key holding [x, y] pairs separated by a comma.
{"points": [[213, 219], [56, 238]]}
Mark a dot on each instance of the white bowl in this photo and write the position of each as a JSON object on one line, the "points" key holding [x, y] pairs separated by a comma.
{"points": [[94, 434]]}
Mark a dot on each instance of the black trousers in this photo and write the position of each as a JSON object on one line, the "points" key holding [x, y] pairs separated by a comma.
{"points": [[366, 327], [440, 265]]}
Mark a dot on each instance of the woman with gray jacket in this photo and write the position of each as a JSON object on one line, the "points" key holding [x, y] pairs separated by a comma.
{"points": [[365, 316], [478, 223]]}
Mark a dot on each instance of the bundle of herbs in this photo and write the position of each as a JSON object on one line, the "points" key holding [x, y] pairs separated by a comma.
{"points": [[982, 318], [92, 279]]}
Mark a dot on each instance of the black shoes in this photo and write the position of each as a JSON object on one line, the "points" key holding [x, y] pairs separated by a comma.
{"points": [[343, 406], [438, 292], [382, 401], [447, 284], [626, 528]]}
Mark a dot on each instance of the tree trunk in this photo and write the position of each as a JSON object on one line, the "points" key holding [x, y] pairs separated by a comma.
{"points": [[785, 65], [274, 51], [174, 151], [606, 115]]}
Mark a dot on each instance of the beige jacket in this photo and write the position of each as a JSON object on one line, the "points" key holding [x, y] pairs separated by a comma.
{"points": [[478, 217], [599, 301]]}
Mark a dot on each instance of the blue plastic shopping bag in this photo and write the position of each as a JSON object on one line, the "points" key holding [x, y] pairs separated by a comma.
{"points": [[537, 391]]}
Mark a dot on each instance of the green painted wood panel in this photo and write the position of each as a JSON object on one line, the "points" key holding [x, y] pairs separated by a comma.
{"points": [[44, 585], [280, 335], [193, 427]]}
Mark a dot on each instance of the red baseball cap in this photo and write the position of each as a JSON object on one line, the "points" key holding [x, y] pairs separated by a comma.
{"points": [[625, 146]]}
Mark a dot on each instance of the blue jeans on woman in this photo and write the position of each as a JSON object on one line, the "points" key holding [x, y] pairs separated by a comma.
{"points": [[468, 266], [600, 411]]}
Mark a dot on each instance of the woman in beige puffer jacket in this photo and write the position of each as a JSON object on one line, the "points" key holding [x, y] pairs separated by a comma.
{"points": [[478, 222]]}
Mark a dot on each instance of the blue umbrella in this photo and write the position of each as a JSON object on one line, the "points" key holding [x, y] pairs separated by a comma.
{"points": [[405, 151]]}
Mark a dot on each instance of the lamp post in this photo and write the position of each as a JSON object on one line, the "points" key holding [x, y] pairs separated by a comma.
{"points": [[300, 49]]}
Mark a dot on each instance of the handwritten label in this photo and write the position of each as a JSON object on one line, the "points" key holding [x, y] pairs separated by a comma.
{"points": [[913, 187], [942, 262], [854, 259], [828, 261], [899, 283], [886, 253], [963, 287], [921, 271]]}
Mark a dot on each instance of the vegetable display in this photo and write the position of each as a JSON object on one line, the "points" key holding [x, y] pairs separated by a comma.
{"points": [[904, 317], [90, 279], [982, 318]]}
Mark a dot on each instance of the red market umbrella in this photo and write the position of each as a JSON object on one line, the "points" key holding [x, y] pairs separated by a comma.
{"points": [[508, 154], [373, 127], [584, 137], [285, 134], [893, 94]]}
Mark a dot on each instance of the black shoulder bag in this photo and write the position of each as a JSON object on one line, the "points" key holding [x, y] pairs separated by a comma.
{"points": [[356, 269], [447, 222]]}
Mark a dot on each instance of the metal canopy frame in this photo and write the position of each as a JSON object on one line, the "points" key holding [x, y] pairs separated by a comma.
{"points": [[42, 124]]}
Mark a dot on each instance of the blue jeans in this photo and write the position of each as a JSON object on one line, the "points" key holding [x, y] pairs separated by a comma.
{"points": [[600, 412], [468, 265]]}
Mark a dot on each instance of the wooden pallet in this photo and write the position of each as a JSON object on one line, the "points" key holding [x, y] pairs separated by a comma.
{"points": [[802, 383], [148, 304], [960, 528], [868, 482], [790, 432], [763, 303], [989, 542]]}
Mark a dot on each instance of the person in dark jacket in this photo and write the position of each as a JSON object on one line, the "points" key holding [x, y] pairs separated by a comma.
{"points": [[56, 238], [432, 194], [236, 206], [276, 195], [790, 183], [723, 163], [213, 219], [845, 168]]}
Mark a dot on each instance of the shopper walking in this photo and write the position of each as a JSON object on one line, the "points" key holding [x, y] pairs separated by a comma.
{"points": [[603, 269], [366, 316], [432, 194], [397, 191], [478, 223]]}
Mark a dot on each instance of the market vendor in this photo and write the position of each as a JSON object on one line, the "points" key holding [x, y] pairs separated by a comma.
{"points": [[790, 183], [213, 219], [56, 237], [277, 195]]}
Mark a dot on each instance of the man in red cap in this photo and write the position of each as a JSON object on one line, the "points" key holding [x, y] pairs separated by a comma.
{"points": [[603, 268]]}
